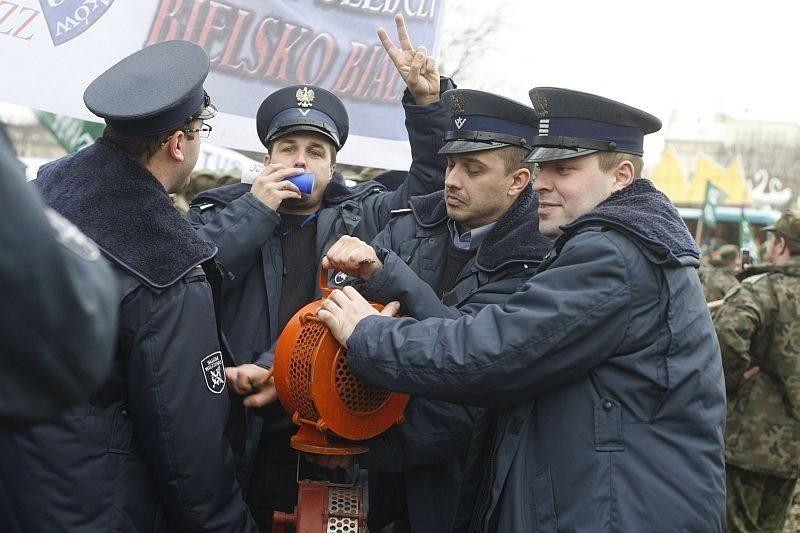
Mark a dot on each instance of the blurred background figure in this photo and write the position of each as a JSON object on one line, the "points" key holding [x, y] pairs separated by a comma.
{"points": [[201, 180], [718, 276]]}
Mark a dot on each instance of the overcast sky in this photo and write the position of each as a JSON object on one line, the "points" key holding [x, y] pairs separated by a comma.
{"points": [[695, 57]]}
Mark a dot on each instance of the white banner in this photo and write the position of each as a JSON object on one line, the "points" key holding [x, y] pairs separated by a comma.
{"points": [[50, 50]]}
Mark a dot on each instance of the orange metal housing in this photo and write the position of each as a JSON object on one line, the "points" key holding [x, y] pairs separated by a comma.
{"points": [[324, 508], [333, 409]]}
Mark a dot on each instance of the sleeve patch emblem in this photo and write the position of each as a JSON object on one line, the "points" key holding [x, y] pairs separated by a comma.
{"points": [[214, 372]]}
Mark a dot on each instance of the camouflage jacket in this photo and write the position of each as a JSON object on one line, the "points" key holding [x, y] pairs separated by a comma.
{"points": [[759, 325], [716, 281]]}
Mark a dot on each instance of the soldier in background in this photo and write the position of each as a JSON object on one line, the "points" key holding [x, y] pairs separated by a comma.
{"points": [[719, 275], [758, 326]]}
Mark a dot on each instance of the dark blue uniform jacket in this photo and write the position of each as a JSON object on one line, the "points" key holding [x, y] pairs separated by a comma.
{"points": [[148, 451], [250, 254], [419, 464], [604, 372]]}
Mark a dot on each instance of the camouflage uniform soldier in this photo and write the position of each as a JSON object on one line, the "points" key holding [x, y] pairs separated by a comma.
{"points": [[758, 326], [719, 276]]}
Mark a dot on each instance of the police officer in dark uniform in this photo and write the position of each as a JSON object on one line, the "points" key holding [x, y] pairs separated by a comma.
{"points": [[148, 451], [452, 253], [603, 368], [271, 239]]}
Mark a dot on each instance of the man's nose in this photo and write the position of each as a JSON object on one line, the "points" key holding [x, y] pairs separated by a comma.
{"points": [[542, 182], [451, 180]]}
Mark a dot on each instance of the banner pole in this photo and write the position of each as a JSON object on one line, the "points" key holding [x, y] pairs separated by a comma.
{"points": [[699, 233]]}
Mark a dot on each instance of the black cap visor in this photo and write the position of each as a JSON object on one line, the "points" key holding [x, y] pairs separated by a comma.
{"points": [[287, 128], [462, 147], [542, 154]]}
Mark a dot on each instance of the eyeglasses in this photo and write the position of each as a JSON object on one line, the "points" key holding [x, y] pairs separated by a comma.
{"points": [[204, 131]]}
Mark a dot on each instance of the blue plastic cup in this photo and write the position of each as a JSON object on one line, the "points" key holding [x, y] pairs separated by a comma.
{"points": [[304, 182]]}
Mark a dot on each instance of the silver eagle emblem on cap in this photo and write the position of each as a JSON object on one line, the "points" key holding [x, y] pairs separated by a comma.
{"points": [[539, 102], [305, 97], [457, 103]]}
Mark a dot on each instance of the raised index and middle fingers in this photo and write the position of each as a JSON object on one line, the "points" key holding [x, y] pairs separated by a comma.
{"points": [[402, 33]]}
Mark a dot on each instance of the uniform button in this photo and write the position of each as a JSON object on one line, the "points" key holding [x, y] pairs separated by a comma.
{"points": [[607, 406], [125, 413], [355, 218], [431, 240]]}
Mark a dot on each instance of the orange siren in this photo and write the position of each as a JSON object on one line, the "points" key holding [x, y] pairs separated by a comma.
{"points": [[335, 411]]}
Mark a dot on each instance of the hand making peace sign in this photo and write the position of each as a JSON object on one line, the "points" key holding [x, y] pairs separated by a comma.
{"points": [[416, 67]]}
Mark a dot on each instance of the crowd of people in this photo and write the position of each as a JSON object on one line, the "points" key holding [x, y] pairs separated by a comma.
{"points": [[572, 363]]}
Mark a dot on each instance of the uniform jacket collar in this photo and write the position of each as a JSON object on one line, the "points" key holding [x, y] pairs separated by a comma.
{"points": [[514, 238], [647, 216], [120, 205]]}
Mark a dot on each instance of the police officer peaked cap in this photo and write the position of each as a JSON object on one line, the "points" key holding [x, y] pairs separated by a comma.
{"points": [[482, 121], [572, 123], [152, 91], [302, 108]]}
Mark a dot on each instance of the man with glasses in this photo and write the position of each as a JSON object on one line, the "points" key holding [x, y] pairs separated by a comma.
{"points": [[149, 450]]}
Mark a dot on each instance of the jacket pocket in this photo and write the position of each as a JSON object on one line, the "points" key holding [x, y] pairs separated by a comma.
{"points": [[123, 440], [544, 507]]}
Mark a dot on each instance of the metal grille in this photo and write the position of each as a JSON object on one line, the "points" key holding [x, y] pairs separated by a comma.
{"points": [[300, 368], [355, 395], [343, 510]]}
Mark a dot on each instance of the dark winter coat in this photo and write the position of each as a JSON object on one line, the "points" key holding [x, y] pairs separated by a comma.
{"points": [[606, 374], [148, 451], [424, 457], [250, 253]]}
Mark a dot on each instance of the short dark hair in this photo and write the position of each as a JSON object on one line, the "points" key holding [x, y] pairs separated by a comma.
{"points": [[512, 159], [794, 246], [610, 160], [143, 149]]}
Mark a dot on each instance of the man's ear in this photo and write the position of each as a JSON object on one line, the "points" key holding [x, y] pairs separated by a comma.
{"points": [[266, 159], [175, 146], [521, 179], [782, 243], [623, 175]]}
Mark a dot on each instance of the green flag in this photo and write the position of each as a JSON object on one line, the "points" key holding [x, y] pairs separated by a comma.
{"points": [[714, 197], [71, 133], [746, 239]]}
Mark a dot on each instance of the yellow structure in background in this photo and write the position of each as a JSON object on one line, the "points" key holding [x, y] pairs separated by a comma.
{"points": [[671, 179]]}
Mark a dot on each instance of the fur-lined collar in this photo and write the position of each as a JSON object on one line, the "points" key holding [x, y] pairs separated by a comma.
{"points": [[515, 237], [645, 214], [120, 205]]}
